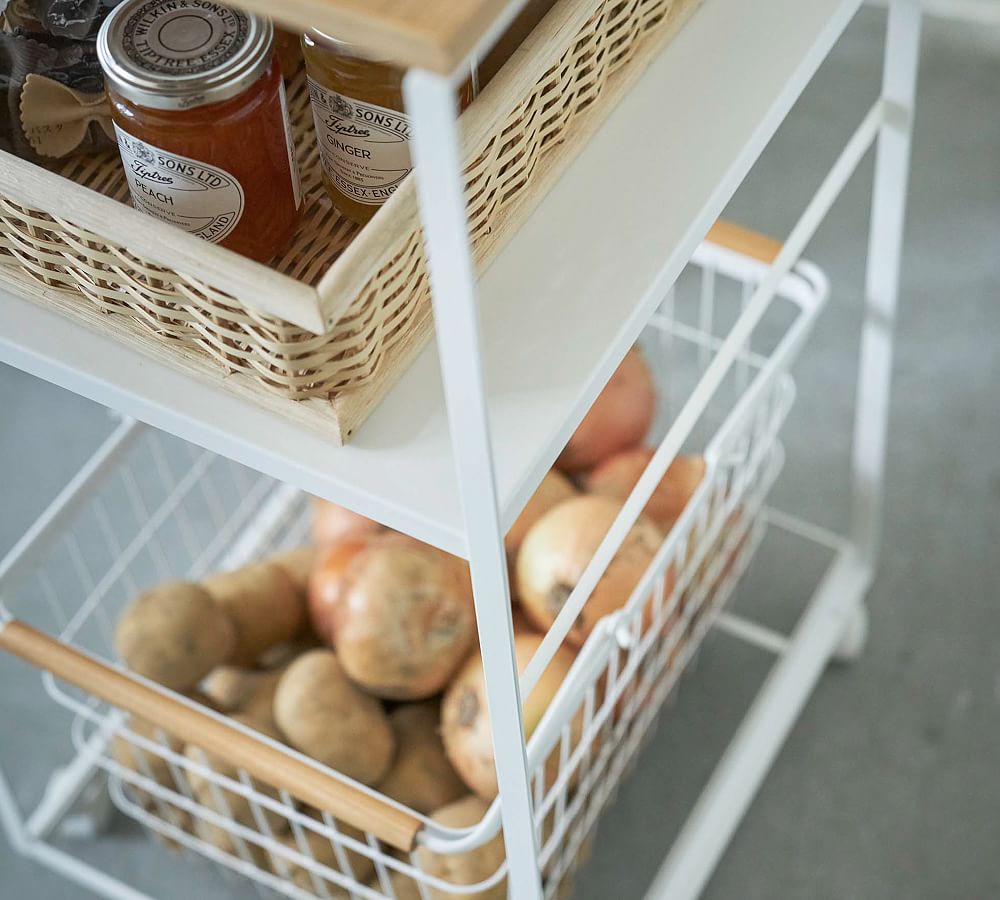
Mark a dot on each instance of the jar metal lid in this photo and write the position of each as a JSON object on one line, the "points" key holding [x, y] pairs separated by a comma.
{"points": [[179, 54], [338, 45]]}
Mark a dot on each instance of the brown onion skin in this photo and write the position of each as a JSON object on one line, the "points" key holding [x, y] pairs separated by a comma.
{"points": [[326, 584], [559, 547], [616, 477], [333, 524], [465, 722], [553, 489], [620, 418], [402, 617]]}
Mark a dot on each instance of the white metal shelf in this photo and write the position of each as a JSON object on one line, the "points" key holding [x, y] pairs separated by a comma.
{"points": [[385, 474], [652, 180]]}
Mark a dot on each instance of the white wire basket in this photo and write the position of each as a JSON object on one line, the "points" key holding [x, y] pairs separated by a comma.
{"points": [[149, 508]]}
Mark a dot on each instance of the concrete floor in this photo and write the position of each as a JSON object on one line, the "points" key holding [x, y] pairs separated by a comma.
{"points": [[888, 786]]}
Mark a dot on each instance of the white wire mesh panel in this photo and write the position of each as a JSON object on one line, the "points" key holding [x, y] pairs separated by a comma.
{"points": [[151, 508]]}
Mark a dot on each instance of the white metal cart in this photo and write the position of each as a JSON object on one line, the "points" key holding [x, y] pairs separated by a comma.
{"points": [[457, 447]]}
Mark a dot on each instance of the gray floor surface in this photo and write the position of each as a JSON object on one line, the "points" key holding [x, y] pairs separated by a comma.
{"points": [[888, 786]]}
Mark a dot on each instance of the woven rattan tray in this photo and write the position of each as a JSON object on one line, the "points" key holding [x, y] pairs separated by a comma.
{"points": [[333, 322]]}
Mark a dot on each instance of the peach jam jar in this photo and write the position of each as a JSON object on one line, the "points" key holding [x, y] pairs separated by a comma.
{"points": [[199, 108]]}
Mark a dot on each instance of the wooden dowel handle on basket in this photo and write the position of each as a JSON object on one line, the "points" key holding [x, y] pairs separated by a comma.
{"points": [[271, 766], [744, 240]]}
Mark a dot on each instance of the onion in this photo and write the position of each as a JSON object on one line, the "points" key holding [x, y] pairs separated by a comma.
{"points": [[555, 488], [333, 523], [619, 419], [616, 478], [558, 548], [734, 523], [298, 564], [401, 616], [326, 584], [465, 722]]}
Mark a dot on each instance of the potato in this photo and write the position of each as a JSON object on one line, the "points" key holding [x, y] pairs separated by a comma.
{"points": [[403, 886], [321, 849], [260, 704], [403, 620], [280, 655], [264, 605], [326, 717], [228, 687], [233, 689], [298, 565], [179, 818], [203, 699], [465, 868], [421, 776], [153, 765], [175, 635], [145, 762], [229, 843], [208, 792]]}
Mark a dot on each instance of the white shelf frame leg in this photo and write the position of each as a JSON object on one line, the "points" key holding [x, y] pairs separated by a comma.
{"points": [[431, 104], [761, 734], [756, 744], [885, 249]]}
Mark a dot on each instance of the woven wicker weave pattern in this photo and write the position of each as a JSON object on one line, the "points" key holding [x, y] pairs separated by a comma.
{"points": [[182, 308]]}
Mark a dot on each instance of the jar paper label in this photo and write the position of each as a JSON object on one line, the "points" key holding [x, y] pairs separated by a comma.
{"points": [[201, 199], [365, 148]]}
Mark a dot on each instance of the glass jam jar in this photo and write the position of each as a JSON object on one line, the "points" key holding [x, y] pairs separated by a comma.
{"points": [[199, 108], [361, 126], [288, 48]]}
